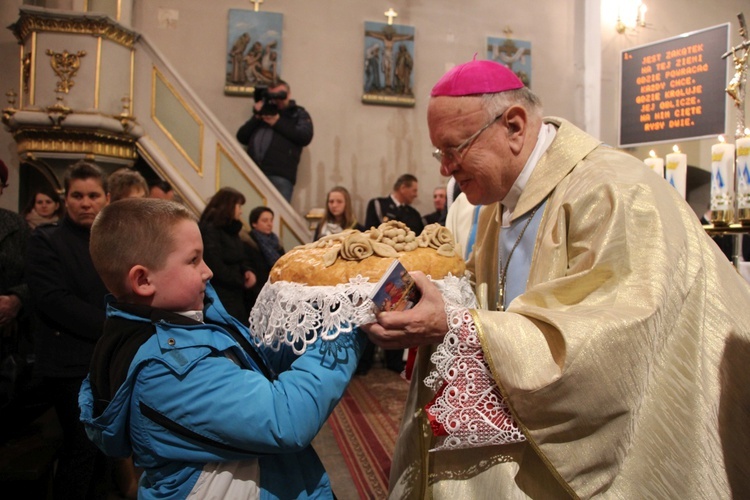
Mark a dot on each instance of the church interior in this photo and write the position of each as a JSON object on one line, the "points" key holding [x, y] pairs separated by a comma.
{"points": [[150, 87], [179, 54]]}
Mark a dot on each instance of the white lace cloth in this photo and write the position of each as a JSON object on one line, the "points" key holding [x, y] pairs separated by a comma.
{"points": [[468, 408], [295, 314]]}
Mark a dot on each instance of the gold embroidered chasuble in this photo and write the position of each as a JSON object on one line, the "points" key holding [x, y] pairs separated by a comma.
{"points": [[625, 362]]}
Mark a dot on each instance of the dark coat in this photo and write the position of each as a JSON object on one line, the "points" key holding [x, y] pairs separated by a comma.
{"points": [[381, 210], [14, 234], [68, 296], [224, 253], [291, 133]]}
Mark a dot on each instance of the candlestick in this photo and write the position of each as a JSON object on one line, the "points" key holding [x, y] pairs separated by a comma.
{"points": [[743, 178], [676, 173], [656, 163], [722, 183]]}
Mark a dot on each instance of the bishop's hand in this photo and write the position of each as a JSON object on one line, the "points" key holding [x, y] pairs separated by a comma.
{"points": [[425, 323]]}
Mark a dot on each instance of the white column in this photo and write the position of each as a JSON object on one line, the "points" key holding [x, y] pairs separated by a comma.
{"points": [[592, 74]]}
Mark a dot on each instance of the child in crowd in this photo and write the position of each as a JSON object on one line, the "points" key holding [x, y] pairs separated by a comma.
{"points": [[126, 183], [180, 383], [339, 214], [44, 207]]}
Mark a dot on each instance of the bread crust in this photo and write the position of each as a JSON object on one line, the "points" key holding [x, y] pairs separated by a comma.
{"points": [[305, 265], [337, 258]]}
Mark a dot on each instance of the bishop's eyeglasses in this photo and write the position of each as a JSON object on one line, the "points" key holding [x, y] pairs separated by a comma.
{"points": [[455, 155]]}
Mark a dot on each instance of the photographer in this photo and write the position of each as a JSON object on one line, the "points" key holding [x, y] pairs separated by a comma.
{"points": [[276, 134]]}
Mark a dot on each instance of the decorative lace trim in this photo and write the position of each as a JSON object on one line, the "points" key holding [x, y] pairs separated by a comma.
{"points": [[293, 314], [468, 410]]}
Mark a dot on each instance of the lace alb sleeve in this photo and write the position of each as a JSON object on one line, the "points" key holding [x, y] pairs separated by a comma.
{"points": [[468, 410]]}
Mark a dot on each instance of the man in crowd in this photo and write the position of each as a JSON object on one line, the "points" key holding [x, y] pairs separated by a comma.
{"points": [[68, 296], [396, 206], [158, 188], [14, 293], [275, 135], [615, 336], [438, 200]]}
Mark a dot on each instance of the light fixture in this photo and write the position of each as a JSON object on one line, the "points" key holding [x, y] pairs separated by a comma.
{"points": [[631, 15]]}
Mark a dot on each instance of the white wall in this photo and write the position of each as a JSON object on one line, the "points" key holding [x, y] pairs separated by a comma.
{"points": [[365, 147]]}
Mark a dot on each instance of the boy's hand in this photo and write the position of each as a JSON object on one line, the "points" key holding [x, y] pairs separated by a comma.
{"points": [[9, 307], [425, 323], [250, 279]]}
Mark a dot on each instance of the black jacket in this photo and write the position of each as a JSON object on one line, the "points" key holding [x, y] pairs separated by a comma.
{"points": [[292, 132], [69, 298], [224, 253], [381, 210], [14, 233]]}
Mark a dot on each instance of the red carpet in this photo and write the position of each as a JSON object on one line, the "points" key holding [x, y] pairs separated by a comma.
{"points": [[365, 425]]}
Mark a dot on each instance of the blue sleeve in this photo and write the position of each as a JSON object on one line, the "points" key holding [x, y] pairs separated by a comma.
{"points": [[240, 410]]}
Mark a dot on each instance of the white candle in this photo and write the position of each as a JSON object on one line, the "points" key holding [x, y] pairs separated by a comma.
{"points": [[656, 163], [743, 171], [676, 173], [722, 175]]}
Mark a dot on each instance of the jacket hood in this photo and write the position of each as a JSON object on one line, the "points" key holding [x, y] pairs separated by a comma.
{"points": [[105, 395]]}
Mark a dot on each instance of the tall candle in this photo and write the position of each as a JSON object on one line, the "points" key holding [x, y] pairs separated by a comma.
{"points": [[743, 171], [656, 163], [676, 173], [722, 176]]}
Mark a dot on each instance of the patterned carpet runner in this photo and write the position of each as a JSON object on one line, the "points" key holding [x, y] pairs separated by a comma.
{"points": [[365, 425]]}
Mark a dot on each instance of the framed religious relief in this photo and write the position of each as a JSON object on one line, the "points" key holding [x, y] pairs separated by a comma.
{"points": [[388, 64], [515, 54], [253, 51]]}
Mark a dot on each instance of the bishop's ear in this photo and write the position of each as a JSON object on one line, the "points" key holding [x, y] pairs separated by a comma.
{"points": [[139, 282], [516, 119]]}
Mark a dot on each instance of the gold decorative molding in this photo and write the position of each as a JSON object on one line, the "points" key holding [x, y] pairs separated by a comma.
{"points": [[32, 80], [222, 152], [62, 141], [284, 227], [98, 73], [148, 157], [157, 76], [36, 20], [25, 72], [65, 65]]}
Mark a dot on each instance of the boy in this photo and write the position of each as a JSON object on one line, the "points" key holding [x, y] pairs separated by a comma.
{"points": [[177, 381], [126, 183]]}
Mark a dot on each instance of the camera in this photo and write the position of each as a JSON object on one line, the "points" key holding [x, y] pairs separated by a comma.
{"points": [[269, 107]]}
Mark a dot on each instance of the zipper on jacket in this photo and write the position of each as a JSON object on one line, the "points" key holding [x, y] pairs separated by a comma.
{"points": [[183, 431]]}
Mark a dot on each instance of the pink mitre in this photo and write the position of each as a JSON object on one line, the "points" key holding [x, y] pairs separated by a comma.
{"points": [[476, 77]]}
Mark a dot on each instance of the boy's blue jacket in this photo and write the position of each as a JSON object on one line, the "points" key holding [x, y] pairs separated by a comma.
{"points": [[185, 397]]}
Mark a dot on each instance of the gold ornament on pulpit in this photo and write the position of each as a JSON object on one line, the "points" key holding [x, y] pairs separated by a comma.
{"points": [[65, 65]]}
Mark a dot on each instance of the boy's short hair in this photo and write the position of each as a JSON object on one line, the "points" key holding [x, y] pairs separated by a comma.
{"points": [[130, 232], [124, 181], [82, 170]]}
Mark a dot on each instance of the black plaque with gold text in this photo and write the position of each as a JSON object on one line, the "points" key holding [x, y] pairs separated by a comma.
{"points": [[674, 89]]}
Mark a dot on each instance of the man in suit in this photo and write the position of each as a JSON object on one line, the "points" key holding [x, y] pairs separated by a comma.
{"points": [[397, 206]]}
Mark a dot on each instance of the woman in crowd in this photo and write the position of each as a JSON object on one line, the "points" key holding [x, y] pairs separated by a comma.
{"points": [[339, 214], [224, 251], [44, 207], [264, 248]]}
